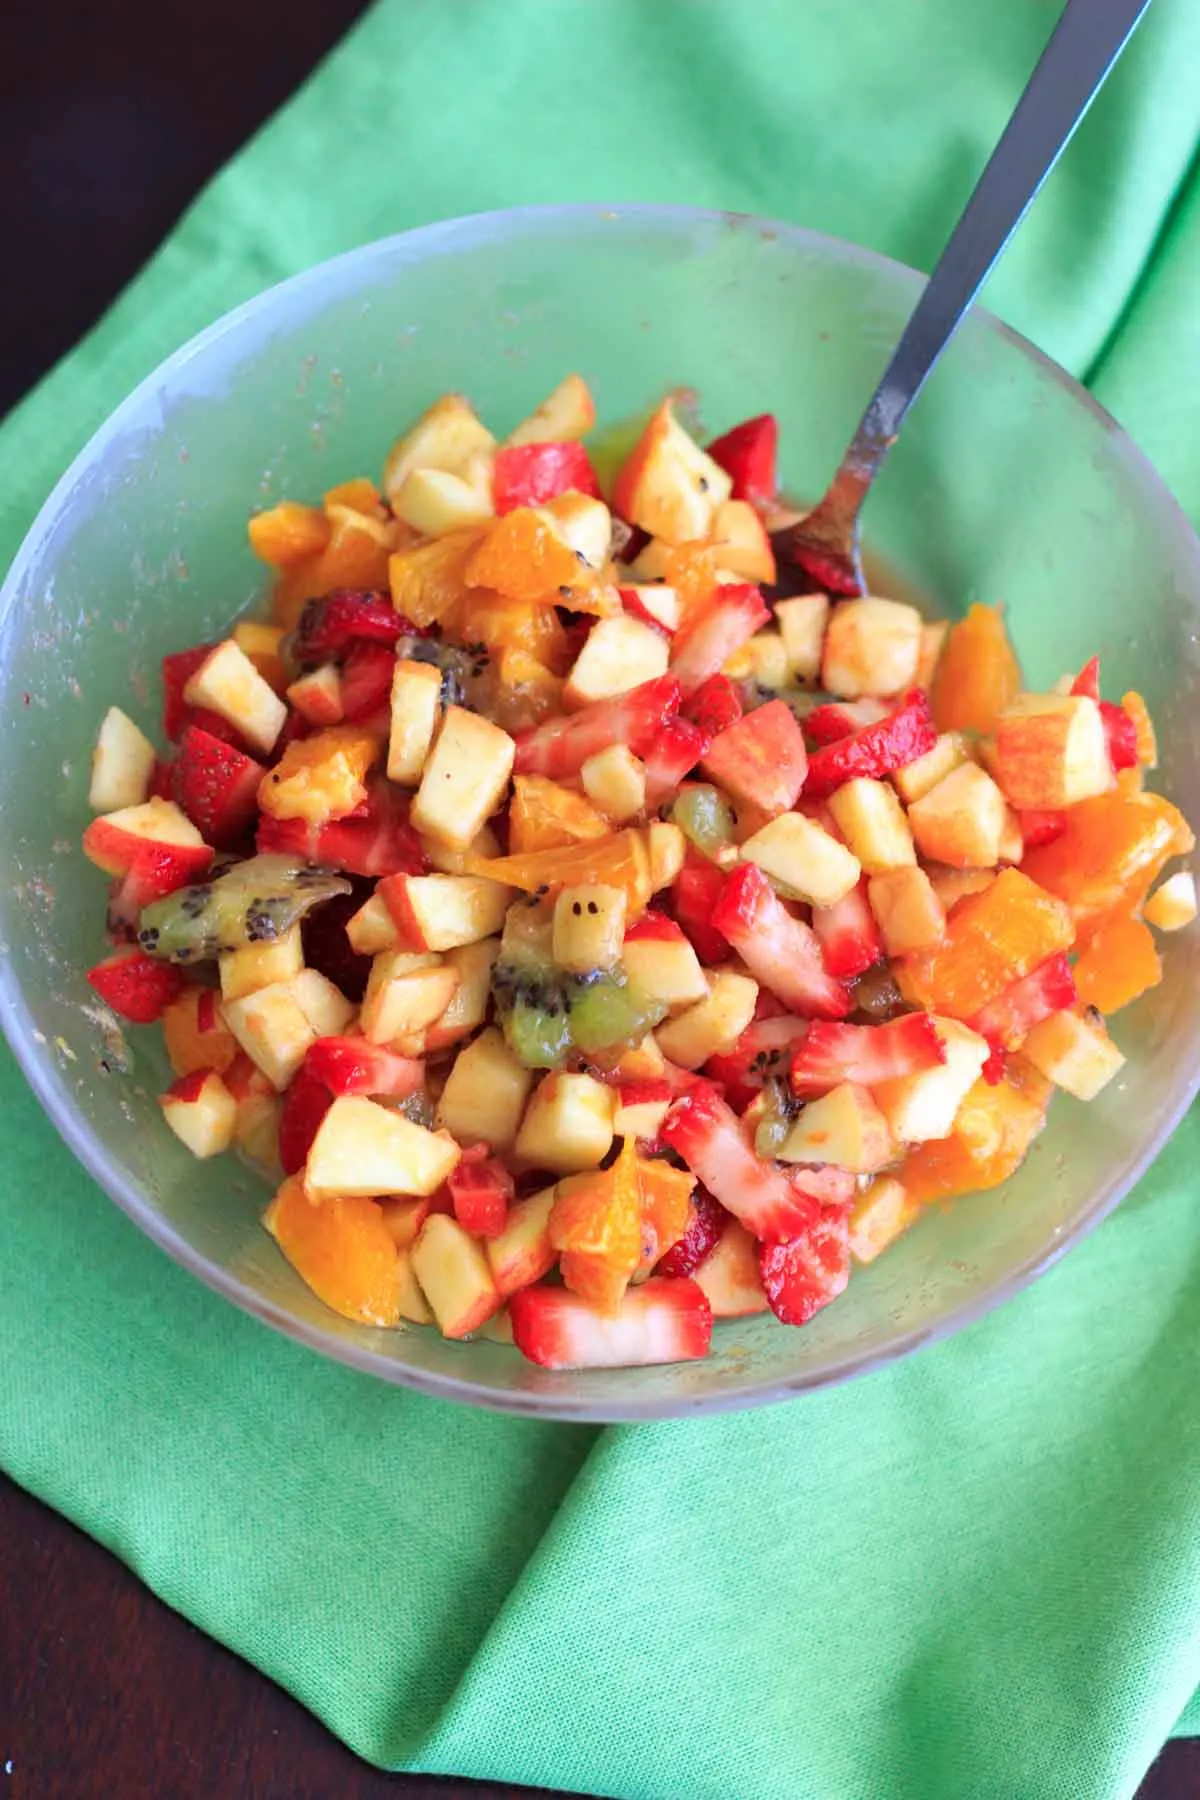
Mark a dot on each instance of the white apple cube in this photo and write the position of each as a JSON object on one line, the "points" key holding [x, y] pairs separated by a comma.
{"points": [[589, 927], [871, 647], [372, 928], [201, 1112], [317, 696], [656, 598], [666, 848], [273, 1029], [464, 779], [445, 437], [229, 684], [443, 912], [666, 968], [563, 417], [639, 1118], [446, 861], [1012, 838], [1052, 751], [1172, 905], [115, 840], [962, 820], [845, 1127], [740, 540], [122, 764], [411, 1303], [324, 1006], [872, 821], [907, 910], [1075, 1052], [729, 1277], [260, 965], [416, 705], [472, 963], [455, 1276], [406, 991], [879, 1216], [933, 639], [799, 854], [568, 1124], [523, 1252], [362, 1148], [584, 525], [802, 621], [668, 485], [433, 502], [620, 653], [916, 779], [952, 885], [923, 1106], [713, 1025], [485, 1092], [614, 780]]}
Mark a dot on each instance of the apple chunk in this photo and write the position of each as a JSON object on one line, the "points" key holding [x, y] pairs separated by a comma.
{"points": [[568, 1124], [714, 1024], [668, 485], [563, 416], [962, 820], [923, 1106], [1075, 1052], [844, 1127], [455, 1276], [1051, 750], [201, 1112], [364, 1148], [442, 912], [228, 683], [416, 705], [879, 1216], [871, 647], [620, 653], [464, 779], [273, 1029], [799, 853], [485, 1092], [523, 1252], [446, 437], [406, 991], [122, 764]]}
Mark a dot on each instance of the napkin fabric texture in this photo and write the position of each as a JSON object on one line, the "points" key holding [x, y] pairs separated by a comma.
{"points": [[977, 1572]]}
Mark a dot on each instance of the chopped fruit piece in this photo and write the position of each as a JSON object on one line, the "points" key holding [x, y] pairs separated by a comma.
{"points": [[953, 885], [1040, 826], [840, 719], [464, 779], [658, 1322], [848, 934], [614, 780], [354, 1065], [319, 778], [779, 950], [879, 1216], [561, 746], [1087, 682], [760, 760], [707, 1220], [482, 1192], [365, 687], [993, 1130], [261, 644], [195, 1033], [305, 1104], [472, 963], [404, 1219], [695, 893], [729, 1275], [653, 604], [273, 1029], [545, 816], [201, 1112], [1173, 905], [919, 778], [154, 841], [1052, 751], [1111, 851], [806, 1272], [618, 860], [416, 704], [122, 764], [434, 502], [596, 1225], [445, 437], [330, 626], [523, 557], [1121, 736], [706, 1134], [747, 454], [324, 1006], [871, 647], [228, 684], [568, 413], [874, 752], [372, 928], [1024, 1003], [406, 991], [177, 671], [364, 1148], [359, 494], [1075, 1052], [803, 859], [589, 927], [802, 621], [977, 674], [666, 848], [1143, 726], [259, 965], [933, 640], [641, 1108], [659, 960], [288, 534], [136, 986], [907, 910], [844, 1127], [379, 842], [620, 654], [1119, 963], [485, 1092], [707, 640], [865, 1054], [529, 474], [872, 820], [427, 583], [217, 787], [762, 1051], [522, 1252], [715, 705], [992, 938], [673, 755], [665, 1198], [568, 1124], [341, 1250], [455, 1276], [667, 485], [442, 912], [923, 1105], [714, 1025], [740, 540], [962, 821]]}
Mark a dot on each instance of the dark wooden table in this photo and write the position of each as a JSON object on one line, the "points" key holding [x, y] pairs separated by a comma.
{"points": [[111, 117]]}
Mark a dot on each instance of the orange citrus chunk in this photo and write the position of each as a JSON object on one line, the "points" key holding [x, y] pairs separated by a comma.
{"points": [[1119, 963], [992, 938], [521, 556], [977, 675], [342, 1249], [618, 860], [1113, 849], [993, 1129]]}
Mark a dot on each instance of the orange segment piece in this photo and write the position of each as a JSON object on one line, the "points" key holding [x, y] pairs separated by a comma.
{"points": [[596, 1222], [618, 860], [288, 534], [355, 556], [993, 1130], [522, 557], [1120, 962], [343, 1251], [1114, 847], [666, 1204], [486, 617], [992, 938], [545, 816], [359, 494], [322, 777], [977, 675], [427, 582]]}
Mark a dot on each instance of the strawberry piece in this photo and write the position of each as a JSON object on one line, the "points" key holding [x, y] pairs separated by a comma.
{"points": [[482, 1193], [659, 1322], [715, 705], [136, 986], [353, 1065], [747, 454], [1087, 682], [328, 627], [875, 751], [839, 719], [380, 842], [695, 892], [653, 925], [676, 750], [561, 746], [531, 474], [763, 1050], [806, 1273], [778, 950], [217, 787], [762, 759], [1049, 988], [1041, 826], [327, 948], [706, 1222], [366, 680], [706, 1133], [156, 870], [1121, 733], [704, 643], [996, 1066], [304, 1106], [848, 935], [865, 1054], [177, 671], [162, 780]]}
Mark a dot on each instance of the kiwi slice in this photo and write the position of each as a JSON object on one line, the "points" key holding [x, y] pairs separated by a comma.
{"points": [[781, 1109], [704, 816], [606, 1011], [252, 902], [529, 989]]}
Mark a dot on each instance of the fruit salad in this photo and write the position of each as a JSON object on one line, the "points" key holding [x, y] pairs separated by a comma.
{"points": [[592, 931]]}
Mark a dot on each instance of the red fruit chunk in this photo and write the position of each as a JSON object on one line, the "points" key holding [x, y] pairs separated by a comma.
{"points": [[1087, 682], [653, 925], [715, 705], [674, 753], [353, 1065], [706, 1222], [848, 935], [1121, 733], [531, 474], [204, 719], [875, 751], [162, 780], [366, 680], [763, 1050], [328, 627], [994, 1069], [695, 892], [217, 787], [561, 746], [156, 870], [805, 1274], [660, 1321], [381, 842], [1049, 988], [177, 671], [136, 986], [304, 1106], [865, 1054], [762, 759], [840, 719], [708, 1136], [747, 454], [703, 645], [482, 1193], [1041, 826], [777, 949]]}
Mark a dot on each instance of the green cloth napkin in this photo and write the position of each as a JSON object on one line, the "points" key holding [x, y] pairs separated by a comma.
{"points": [[976, 1573]]}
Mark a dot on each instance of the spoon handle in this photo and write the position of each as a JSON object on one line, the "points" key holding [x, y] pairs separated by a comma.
{"points": [[1087, 40]]}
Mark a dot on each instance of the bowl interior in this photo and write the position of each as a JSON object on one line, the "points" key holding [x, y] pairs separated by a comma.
{"points": [[1008, 485]]}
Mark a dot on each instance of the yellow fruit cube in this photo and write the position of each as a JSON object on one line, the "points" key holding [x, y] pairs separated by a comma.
{"points": [[568, 1124], [714, 1024], [844, 1127], [122, 764], [802, 623], [416, 707], [871, 647], [455, 1277], [464, 779], [1075, 1052], [962, 821], [485, 1092], [614, 780], [1173, 905], [879, 1216], [798, 853], [907, 910], [589, 927], [228, 683], [914, 781], [259, 965], [363, 1148], [1051, 750], [872, 821], [445, 437]]}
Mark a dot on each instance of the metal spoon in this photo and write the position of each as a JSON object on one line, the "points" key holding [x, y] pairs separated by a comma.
{"points": [[1086, 43]]}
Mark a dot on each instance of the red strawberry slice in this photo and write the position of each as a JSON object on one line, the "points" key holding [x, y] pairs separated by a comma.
{"points": [[715, 705], [531, 474], [304, 1106], [875, 751], [482, 1193], [137, 987], [840, 719], [1121, 733], [806, 1273], [177, 671], [694, 894], [217, 787], [747, 453], [707, 1135], [704, 644], [676, 750], [707, 1221], [865, 1054], [162, 780], [1087, 682], [328, 627], [762, 759], [366, 680], [1041, 826], [996, 1066], [382, 842], [848, 935], [659, 1322], [763, 1050], [562, 745], [778, 950], [353, 1065], [156, 870], [1007, 1019]]}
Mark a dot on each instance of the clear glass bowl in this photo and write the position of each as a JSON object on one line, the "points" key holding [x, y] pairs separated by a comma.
{"points": [[1009, 484]]}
